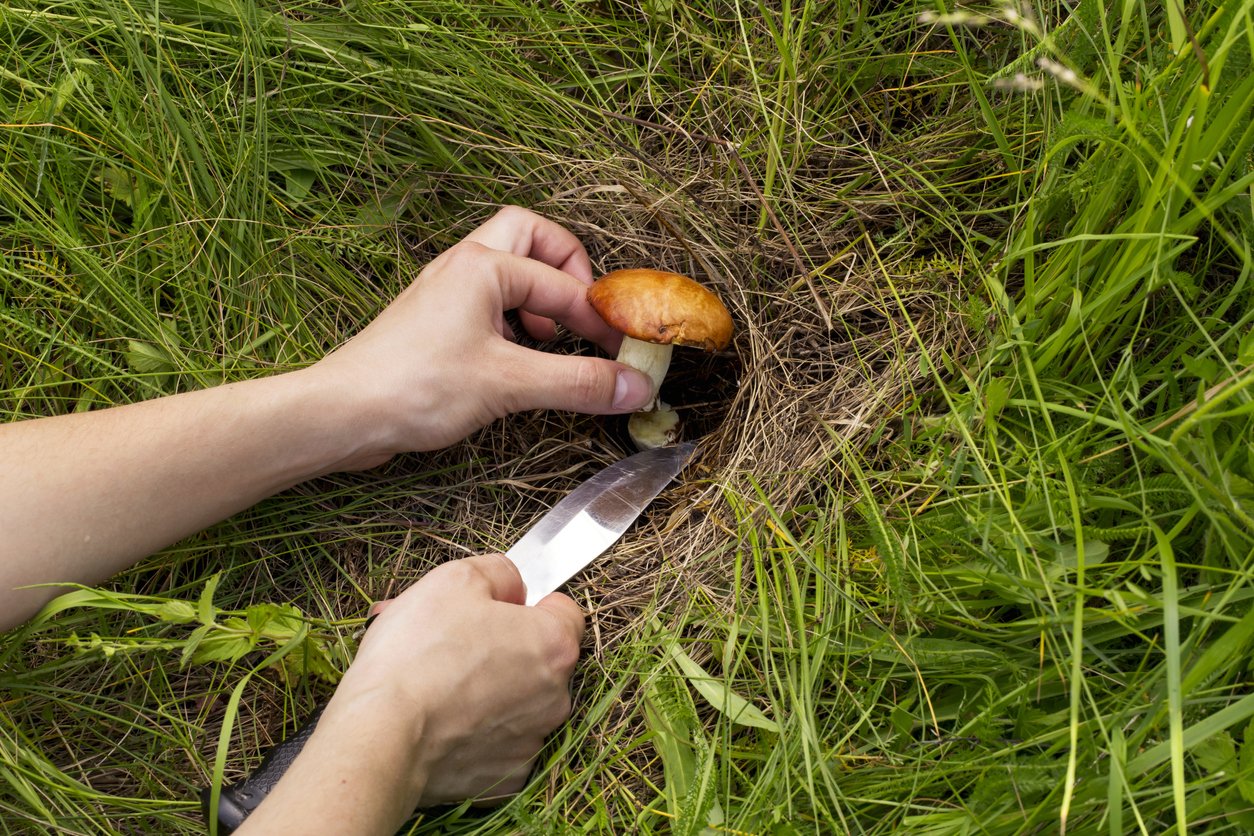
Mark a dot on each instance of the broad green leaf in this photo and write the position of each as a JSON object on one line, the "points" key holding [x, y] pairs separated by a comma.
{"points": [[945, 654], [275, 621], [1068, 556], [97, 598], [1229, 645], [687, 760], [52, 103], [716, 693], [222, 647], [118, 183], [287, 621], [1217, 754], [1203, 368], [207, 610], [380, 213], [310, 658], [193, 642], [178, 612], [299, 183], [996, 391], [1212, 724], [147, 358], [675, 751], [1245, 351], [155, 357], [658, 8], [901, 720], [1238, 485], [259, 616], [1245, 785]]}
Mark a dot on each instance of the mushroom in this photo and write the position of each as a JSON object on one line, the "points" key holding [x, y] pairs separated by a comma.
{"points": [[656, 311]]}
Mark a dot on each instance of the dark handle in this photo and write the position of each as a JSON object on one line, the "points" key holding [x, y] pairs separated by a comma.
{"points": [[238, 800]]}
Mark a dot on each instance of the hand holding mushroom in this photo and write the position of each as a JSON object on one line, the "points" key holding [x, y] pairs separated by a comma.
{"points": [[656, 311]]}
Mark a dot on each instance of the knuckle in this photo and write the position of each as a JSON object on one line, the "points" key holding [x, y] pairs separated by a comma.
{"points": [[465, 253], [468, 258], [512, 212], [458, 572], [587, 381], [495, 565]]}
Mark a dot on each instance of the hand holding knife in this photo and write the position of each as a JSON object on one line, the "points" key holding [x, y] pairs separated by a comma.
{"points": [[578, 529]]}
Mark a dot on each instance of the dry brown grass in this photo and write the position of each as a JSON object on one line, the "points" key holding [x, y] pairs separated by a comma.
{"points": [[761, 409]]}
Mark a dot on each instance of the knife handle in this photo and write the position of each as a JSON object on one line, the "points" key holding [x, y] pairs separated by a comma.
{"points": [[237, 801]]}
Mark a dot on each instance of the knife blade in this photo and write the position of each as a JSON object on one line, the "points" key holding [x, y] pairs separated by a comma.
{"points": [[591, 517], [567, 538]]}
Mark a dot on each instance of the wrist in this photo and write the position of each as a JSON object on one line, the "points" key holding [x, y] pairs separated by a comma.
{"points": [[357, 774], [350, 421], [379, 727]]}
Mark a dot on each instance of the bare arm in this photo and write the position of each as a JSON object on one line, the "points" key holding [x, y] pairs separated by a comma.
{"points": [[83, 496]]}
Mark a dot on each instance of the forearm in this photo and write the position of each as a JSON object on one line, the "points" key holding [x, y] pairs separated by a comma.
{"points": [[84, 496]]}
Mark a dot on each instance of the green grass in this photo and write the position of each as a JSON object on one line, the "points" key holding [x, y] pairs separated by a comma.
{"points": [[971, 551]]}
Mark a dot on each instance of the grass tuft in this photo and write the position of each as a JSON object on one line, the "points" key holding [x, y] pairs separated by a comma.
{"points": [[969, 546]]}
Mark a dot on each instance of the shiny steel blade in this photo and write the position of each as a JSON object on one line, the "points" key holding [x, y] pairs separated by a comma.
{"points": [[592, 516]]}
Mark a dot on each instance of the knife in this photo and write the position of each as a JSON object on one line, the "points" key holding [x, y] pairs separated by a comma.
{"points": [[570, 536]]}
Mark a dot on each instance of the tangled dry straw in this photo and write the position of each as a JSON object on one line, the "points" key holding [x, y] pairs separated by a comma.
{"points": [[773, 409], [773, 413]]}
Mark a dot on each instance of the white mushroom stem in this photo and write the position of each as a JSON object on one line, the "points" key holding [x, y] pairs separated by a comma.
{"points": [[650, 358]]}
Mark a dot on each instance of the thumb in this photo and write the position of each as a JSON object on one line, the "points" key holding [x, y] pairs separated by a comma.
{"points": [[590, 385], [497, 574], [492, 575]]}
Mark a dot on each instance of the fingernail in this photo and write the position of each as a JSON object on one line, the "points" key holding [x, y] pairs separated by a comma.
{"points": [[632, 390]]}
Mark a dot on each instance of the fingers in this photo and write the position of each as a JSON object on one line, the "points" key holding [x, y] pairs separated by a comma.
{"points": [[591, 385], [539, 327], [523, 233], [519, 232], [538, 289]]}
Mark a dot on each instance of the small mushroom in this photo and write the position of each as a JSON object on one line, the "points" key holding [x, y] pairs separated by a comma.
{"points": [[656, 311]]}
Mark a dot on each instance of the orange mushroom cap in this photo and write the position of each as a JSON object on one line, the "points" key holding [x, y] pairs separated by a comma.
{"points": [[661, 308]]}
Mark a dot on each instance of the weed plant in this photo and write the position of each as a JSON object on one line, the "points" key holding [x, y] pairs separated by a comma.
{"points": [[969, 546]]}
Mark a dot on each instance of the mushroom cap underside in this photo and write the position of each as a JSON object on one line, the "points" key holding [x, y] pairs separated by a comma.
{"points": [[662, 308]]}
